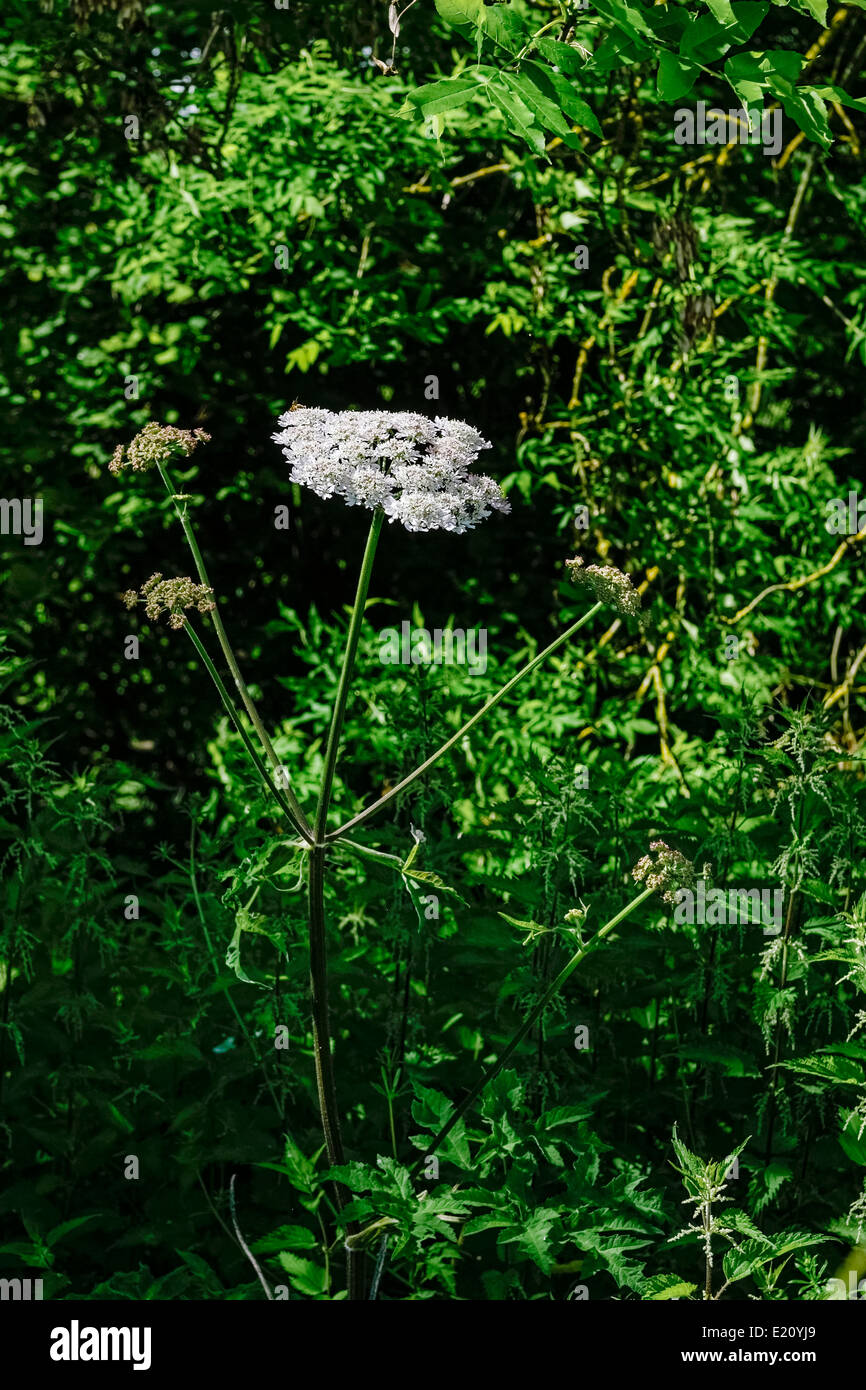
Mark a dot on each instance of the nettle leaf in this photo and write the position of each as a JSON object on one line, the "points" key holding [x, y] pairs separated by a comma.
{"points": [[752, 1254], [852, 1136], [840, 1070], [663, 1286], [689, 1164], [732, 1219]]}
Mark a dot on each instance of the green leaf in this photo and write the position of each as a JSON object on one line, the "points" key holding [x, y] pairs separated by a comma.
{"points": [[58, 1232], [690, 1164], [569, 60], [308, 1278], [532, 1237], [752, 1254], [199, 1267], [534, 88], [831, 93], [518, 116], [747, 78], [722, 11], [233, 953], [818, 10], [675, 77], [445, 95], [663, 1286], [572, 104], [432, 1111], [625, 17], [460, 11], [285, 1238], [850, 1137], [840, 1070]]}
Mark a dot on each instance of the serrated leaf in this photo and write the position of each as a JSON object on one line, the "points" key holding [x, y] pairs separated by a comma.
{"points": [[534, 88], [569, 60], [308, 1278], [518, 116], [432, 1110], [663, 1286], [438, 97], [532, 1237], [751, 1255], [843, 1071], [285, 1238]]}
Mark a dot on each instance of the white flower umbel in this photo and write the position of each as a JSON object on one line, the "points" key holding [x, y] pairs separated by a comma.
{"points": [[414, 467]]}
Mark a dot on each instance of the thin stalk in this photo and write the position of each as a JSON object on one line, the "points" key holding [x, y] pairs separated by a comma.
{"points": [[352, 638], [247, 741], [455, 738], [228, 653], [534, 1013], [325, 1081]]}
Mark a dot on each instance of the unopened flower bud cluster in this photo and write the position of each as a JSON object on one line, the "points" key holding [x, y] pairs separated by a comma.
{"points": [[155, 444], [667, 873], [171, 596], [414, 467], [608, 585]]}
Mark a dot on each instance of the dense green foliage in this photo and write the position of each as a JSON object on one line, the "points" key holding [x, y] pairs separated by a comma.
{"points": [[285, 219]]}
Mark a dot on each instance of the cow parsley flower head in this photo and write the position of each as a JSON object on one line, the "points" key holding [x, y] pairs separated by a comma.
{"points": [[414, 467], [153, 445]]}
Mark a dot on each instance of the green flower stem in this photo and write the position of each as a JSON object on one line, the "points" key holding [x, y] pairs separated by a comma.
{"points": [[247, 741], [352, 639], [455, 738], [534, 1013], [325, 1081], [297, 814]]}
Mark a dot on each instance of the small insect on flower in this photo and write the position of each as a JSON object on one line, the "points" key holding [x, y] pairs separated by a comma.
{"points": [[171, 596]]}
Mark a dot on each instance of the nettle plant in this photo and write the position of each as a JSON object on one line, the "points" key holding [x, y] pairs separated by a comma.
{"points": [[415, 471]]}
